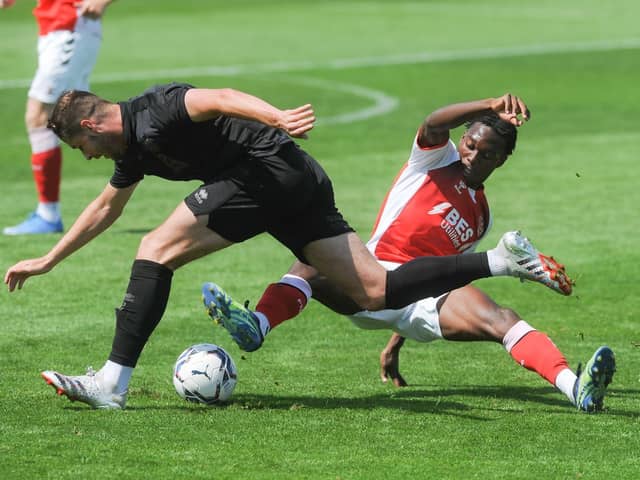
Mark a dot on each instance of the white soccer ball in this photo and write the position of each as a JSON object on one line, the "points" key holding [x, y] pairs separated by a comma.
{"points": [[205, 373]]}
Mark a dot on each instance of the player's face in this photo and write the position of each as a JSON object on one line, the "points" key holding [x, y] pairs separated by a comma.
{"points": [[94, 145], [481, 152]]}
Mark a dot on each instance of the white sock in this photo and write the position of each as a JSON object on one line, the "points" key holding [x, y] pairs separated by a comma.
{"points": [[264, 323], [565, 381], [116, 377], [497, 263], [297, 282], [50, 211], [515, 334], [287, 279]]}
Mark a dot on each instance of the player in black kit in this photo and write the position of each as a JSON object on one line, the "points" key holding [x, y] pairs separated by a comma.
{"points": [[255, 179]]}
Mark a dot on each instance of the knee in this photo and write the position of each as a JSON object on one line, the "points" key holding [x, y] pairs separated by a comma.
{"points": [[500, 320], [152, 248], [372, 298], [35, 116]]}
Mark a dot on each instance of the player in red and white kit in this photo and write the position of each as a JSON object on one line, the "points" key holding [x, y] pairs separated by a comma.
{"points": [[69, 38], [437, 206]]}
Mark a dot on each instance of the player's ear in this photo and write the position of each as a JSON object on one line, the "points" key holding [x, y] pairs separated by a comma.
{"points": [[88, 124]]}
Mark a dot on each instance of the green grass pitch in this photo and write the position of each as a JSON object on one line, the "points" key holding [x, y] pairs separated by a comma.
{"points": [[309, 403]]}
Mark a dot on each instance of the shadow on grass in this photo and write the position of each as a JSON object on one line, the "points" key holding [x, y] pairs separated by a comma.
{"points": [[421, 400]]}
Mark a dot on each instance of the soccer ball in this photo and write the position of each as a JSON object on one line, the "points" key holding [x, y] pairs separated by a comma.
{"points": [[205, 373]]}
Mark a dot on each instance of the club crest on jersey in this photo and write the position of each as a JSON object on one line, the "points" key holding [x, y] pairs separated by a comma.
{"points": [[460, 187], [201, 195]]}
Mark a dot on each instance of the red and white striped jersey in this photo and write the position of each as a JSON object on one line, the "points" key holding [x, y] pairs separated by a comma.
{"points": [[53, 15], [429, 210]]}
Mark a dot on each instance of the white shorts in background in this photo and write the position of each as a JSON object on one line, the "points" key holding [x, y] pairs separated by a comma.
{"points": [[419, 321], [65, 60]]}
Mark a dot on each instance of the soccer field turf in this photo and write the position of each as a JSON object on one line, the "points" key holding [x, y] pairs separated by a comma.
{"points": [[309, 404]]}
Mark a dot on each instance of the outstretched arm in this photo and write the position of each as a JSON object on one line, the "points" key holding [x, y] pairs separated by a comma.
{"points": [[435, 129], [205, 104], [95, 219]]}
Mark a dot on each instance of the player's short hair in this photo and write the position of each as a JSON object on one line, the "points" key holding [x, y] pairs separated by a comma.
{"points": [[72, 107], [507, 131]]}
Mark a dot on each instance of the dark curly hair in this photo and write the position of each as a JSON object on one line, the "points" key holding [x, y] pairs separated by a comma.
{"points": [[507, 131]]}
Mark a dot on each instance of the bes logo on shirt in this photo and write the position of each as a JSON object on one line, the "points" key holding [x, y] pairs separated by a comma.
{"points": [[456, 227]]}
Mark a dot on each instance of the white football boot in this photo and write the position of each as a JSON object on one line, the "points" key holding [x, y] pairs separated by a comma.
{"points": [[527, 263], [85, 388]]}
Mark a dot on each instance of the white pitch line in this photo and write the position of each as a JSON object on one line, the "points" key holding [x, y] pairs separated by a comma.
{"points": [[357, 62], [382, 103]]}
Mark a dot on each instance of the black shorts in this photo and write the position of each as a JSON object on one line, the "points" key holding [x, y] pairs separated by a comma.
{"points": [[288, 195]]}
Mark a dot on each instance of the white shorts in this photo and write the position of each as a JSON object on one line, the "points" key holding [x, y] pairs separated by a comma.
{"points": [[419, 321], [65, 60]]}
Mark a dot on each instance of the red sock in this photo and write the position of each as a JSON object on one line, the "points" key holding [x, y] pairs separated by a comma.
{"points": [[535, 351], [47, 168], [281, 302]]}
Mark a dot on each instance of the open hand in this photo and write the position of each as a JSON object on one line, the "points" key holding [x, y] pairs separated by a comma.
{"points": [[18, 274], [93, 9], [298, 121], [511, 109]]}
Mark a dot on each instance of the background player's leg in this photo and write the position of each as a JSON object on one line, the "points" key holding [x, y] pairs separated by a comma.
{"points": [[46, 165]]}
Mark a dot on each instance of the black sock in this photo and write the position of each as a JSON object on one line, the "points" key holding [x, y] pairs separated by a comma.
{"points": [[141, 310], [432, 276]]}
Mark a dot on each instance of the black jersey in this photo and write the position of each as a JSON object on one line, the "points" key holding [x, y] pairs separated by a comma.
{"points": [[162, 140]]}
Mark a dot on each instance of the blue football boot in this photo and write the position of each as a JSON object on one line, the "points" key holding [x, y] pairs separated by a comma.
{"points": [[238, 320], [591, 385], [34, 225]]}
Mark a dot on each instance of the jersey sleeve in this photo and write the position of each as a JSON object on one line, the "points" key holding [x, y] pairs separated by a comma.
{"points": [[125, 175], [167, 109], [160, 112], [429, 158]]}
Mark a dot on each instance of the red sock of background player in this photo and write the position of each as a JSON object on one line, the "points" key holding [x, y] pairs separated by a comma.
{"points": [[535, 351], [46, 164], [282, 301]]}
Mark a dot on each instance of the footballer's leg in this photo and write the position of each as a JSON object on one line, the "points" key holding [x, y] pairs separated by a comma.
{"points": [[351, 268], [468, 314], [46, 165], [181, 238]]}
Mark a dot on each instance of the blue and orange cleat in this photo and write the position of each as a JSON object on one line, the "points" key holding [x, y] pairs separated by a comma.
{"points": [[236, 318], [592, 382]]}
